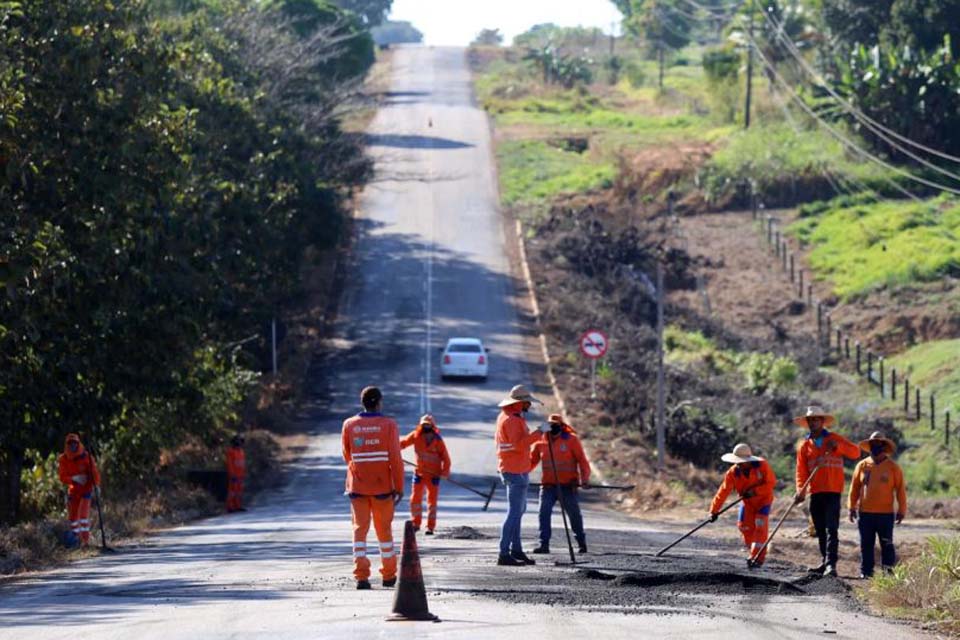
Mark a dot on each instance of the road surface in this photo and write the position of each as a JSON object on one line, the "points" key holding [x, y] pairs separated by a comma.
{"points": [[430, 262]]}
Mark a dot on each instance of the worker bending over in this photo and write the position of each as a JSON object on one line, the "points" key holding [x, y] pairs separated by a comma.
{"points": [[433, 463], [753, 480], [565, 468], [371, 449], [876, 481], [824, 452], [79, 472]]}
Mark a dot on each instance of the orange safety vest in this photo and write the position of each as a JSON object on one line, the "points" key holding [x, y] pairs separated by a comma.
{"points": [[829, 478], [758, 477], [513, 441], [371, 449], [874, 486], [236, 462], [76, 464], [571, 462], [430, 450]]}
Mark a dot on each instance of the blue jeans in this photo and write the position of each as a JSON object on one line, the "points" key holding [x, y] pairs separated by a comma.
{"points": [[873, 526], [571, 503], [516, 484]]}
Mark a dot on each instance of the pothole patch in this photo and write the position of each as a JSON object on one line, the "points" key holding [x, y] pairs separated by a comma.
{"points": [[463, 533], [709, 582]]}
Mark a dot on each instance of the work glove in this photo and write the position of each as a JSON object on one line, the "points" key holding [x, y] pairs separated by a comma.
{"points": [[585, 485], [714, 516], [800, 497], [899, 519], [749, 493], [79, 479], [853, 516], [397, 497]]}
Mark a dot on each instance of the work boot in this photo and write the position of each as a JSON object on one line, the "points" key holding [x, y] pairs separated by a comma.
{"points": [[363, 585], [819, 569], [389, 584], [429, 532], [508, 561], [582, 548], [522, 557], [542, 549], [830, 571]]}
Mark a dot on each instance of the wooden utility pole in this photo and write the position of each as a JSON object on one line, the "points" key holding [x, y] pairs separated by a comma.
{"points": [[746, 109], [661, 427]]}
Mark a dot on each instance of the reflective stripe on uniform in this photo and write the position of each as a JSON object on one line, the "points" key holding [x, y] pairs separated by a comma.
{"points": [[377, 459], [386, 550], [505, 445]]}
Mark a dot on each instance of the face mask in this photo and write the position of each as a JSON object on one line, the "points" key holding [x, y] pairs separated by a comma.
{"points": [[427, 427], [555, 428], [876, 449]]}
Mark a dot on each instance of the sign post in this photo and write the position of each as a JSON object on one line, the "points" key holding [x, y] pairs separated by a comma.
{"points": [[594, 345]]}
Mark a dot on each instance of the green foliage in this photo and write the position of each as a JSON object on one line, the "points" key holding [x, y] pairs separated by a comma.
{"points": [[396, 32], [768, 372], [371, 12], [489, 37], [933, 367], [721, 67], [355, 47], [560, 68], [888, 244], [532, 172], [548, 34], [42, 493]]}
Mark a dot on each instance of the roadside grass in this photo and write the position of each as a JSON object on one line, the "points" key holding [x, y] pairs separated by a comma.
{"points": [[925, 588], [866, 247], [533, 172]]}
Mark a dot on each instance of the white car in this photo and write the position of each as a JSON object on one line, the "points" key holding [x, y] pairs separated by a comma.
{"points": [[464, 358]]}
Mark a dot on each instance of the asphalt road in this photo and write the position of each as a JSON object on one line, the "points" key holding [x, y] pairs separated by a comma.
{"points": [[430, 263]]}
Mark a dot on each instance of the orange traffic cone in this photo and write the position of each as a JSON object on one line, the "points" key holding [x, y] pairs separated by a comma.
{"points": [[410, 601]]}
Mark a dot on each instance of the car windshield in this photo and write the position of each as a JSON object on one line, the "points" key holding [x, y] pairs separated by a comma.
{"points": [[463, 347]]}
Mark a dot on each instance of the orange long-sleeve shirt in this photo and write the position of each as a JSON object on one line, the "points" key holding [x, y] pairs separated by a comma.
{"points": [[79, 463], [810, 455], [874, 486], [236, 462], [371, 449], [758, 477], [513, 441], [432, 456], [571, 461]]}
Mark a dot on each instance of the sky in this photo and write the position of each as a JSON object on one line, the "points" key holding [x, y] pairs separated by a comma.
{"points": [[456, 22]]}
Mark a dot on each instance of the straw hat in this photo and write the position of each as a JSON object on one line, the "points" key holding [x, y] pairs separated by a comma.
{"points": [[428, 419], [741, 453], [814, 412], [877, 436], [556, 418], [518, 394]]}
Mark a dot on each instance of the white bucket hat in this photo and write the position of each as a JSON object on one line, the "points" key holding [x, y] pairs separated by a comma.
{"points": [[741, 453], [518, 394]]}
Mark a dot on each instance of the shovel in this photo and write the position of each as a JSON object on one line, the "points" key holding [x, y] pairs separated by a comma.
{"points": [[697, 528], [486, 496], [103, 536], [752, 562]]}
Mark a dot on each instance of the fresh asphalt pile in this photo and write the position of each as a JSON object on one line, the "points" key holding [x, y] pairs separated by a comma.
{"points": [[622, 573]]}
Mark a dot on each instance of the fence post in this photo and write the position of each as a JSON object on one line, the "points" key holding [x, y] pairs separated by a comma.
{"points": [[783, 255], [893, 383], [753, 202], [800, 287], [906, 396], [846, 346], [946, 428], [916, 402], [882, 391], [769, 229], [820, 322], [933, 412], [857, 345], [809, 294], [869, 366], [776, 243], [827, 333], [792, 270]]}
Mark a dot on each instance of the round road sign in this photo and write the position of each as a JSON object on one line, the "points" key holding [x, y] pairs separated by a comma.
{"points": [[594, 344]]}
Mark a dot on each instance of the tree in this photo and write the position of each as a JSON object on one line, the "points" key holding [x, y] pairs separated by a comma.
{"points": [[396, 32], [371, 12], [489, 37], [661, 24]]}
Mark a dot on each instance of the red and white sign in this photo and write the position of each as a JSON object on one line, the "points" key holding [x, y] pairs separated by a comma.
{"points": [[594, 344]]}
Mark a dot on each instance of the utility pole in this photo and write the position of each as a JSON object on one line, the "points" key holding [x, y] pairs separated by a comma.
{"points": [[613, 38], [661, 427], [746, 117]]}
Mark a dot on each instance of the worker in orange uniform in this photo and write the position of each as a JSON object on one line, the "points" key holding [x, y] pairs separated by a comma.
{"points": [[565, 470], [876, 481], [514, 440], [236, 473], [78, 470], [753, 480], [371, 449], [433, 463], [824, 452]]}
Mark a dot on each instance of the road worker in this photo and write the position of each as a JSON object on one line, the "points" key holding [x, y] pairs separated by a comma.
{"points": [[823, 451], [78, 470], [876, 481], [236, 473], [514, 440], [371, 449], [433, 463], [565, 469], [753, 480]]}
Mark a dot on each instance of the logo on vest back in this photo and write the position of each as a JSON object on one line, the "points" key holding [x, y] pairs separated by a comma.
{"points": [[358, 442], [563, 448]]}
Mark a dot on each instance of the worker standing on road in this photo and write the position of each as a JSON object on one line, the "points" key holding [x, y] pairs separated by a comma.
{"points": [[78, 470], [433, 463], [236, 473], [876, 481], [754, 481], [823, 450], [513, 462], [571, 471], [371, 449]]}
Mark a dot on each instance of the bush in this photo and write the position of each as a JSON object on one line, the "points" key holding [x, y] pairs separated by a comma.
{"points": [[41, 492], [767, 372], [635, 74]]}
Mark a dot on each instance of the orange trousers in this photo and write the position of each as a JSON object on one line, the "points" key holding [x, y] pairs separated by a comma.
{"points": [[432, 485], [363, 509], [754, 521], [78, 511], [234, 493]]}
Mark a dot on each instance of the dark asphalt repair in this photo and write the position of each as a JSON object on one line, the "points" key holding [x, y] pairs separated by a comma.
{"points": [[632, 580]]}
